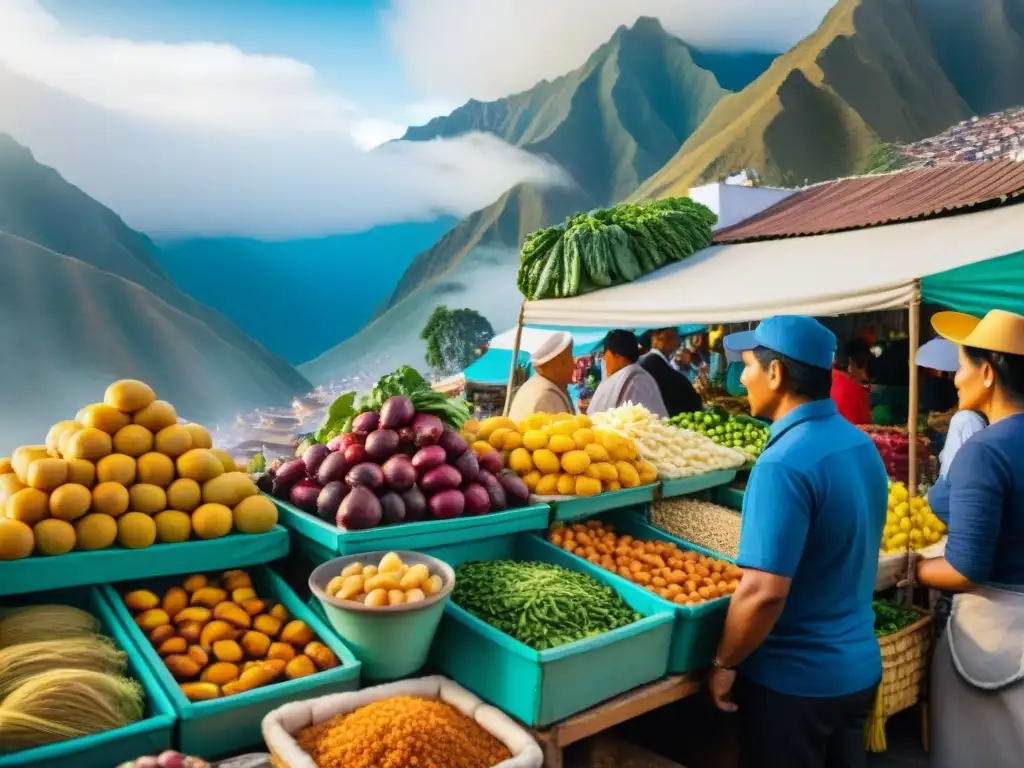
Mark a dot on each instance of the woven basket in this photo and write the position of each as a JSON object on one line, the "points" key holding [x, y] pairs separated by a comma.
{"points": [[904, 663]]}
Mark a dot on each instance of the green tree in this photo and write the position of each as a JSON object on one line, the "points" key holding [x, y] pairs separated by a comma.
{"points": [[454, 337]]}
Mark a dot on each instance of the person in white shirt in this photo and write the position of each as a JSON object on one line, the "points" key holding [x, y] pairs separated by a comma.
{"points": [[625, 380], [546, 391]]}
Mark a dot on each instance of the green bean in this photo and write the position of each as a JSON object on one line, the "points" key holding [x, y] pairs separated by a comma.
{"points": [[539, 604]]}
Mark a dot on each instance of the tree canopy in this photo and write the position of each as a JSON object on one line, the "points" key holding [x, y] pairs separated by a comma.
{"points": [[454, 338]]}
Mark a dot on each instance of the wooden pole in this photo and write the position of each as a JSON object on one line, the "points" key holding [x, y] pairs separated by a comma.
{"points": [[515, 360], [914, 332]]}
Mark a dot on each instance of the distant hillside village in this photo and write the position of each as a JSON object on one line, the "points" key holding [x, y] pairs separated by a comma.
{"points": [[991, 137]]}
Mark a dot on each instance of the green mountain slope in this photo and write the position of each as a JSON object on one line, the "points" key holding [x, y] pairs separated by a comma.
{"points": [[83, 301], [874, 71], [609, 124]]}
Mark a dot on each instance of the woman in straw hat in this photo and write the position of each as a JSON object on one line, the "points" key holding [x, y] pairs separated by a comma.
{"points": [[977, 695]]}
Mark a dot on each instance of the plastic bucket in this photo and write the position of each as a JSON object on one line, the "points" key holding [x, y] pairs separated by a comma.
{"points": [[393, 641]]}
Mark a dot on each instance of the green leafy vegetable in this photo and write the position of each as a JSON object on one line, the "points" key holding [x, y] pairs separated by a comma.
{"points": [[257, 464], [892, 617], [341, 411]]}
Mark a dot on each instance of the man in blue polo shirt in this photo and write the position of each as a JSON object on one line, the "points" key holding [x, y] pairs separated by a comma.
{"points": [[800, 628]]}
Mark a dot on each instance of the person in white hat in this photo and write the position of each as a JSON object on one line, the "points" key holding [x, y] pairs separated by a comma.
{"points": [[547, 390]]}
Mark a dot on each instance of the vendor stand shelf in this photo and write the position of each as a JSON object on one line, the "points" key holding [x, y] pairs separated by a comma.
{"points": [[687, 485], [611, 713], [572, 508]]}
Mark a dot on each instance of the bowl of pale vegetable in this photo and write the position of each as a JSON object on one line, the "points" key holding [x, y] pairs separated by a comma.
{"points": [[386, 606]]}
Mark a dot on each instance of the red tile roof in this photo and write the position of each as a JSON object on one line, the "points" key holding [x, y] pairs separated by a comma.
{"points": [[871, 201]]}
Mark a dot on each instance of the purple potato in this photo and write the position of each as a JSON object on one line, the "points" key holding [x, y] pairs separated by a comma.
{"points": [[407, 437], [365, 475], [355, 454], [335, 443], [415, 504], [453, 444], [468, 465], [447, 504], [313, 458], [304, 495], [478, 501], [330, 499], [491, 461], [291, 472], [428, 457], [334, 467], [399, 473], [365, 423], [361, 509], [443, 478], [499, 499], [396, 412], [381, 445], [264, 482], [428, 429], [516, 491], [392, 508]]}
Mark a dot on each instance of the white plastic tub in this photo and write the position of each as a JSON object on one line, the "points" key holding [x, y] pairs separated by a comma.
{"points": [[280, 725]]}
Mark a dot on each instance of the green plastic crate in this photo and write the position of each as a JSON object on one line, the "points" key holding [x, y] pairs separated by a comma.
{"points": [[78, 569], [543, 687], [690, 485], [697, 628], [230, 725], [572, 508], [730, 497], [149, 736], [411, 536]]}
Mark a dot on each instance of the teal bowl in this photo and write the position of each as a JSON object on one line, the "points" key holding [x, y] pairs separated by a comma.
{"points": [[394, 641]]}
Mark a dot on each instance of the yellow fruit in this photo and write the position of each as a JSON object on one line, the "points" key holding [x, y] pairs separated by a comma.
{"points": [[200, 436], [70, 501], [512, 440], [110, 499], [522, 427], [255, 514], [156, 416], [5, 466], [29, 505], [228, 489], [116, 468], [546, 461], [899, 490], [129, 395], [54, 537], [90, 443], [58, 431], [899, 540], [81, 472], [520, 462], [614, 485], [564, 428], [212, 521], [628, 476], [471, 426], [491, 425], [103, 417], [136, 530], [480, 448], [147, 499], [173, 526], [547, 485], [538, 420], [587, 486], [95, 531], [225, 459], [566, 485], [497, 438], [155, 469], [173, 441], [532, 480], [575, 462], [647, 471], [583, 421], [905, 524], [133, 440], [583, 437], [184, 494], [609, 474], [16, 539], [25, 455], [9, 485], [535, 440], [47, 474], [199, 464], [561, 444]]}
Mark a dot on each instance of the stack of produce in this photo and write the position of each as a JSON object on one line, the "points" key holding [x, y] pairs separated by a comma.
{"points": [[389, 582], [710, 526], [683, 576], [563, 455], [539, 604], [739, 433], [60, 679], [610, 247], [168, 759], [892, 617], [217, 637], [909, 520], [674, 452], [402, 731], [397, 465], [893, 444], [124, 470]]}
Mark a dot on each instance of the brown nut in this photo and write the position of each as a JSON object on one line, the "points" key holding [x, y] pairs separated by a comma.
{"points": [[220, 673], [300, 666], [233, 580], [280, 612], [210, 597], [216, 630], [175, 601], [182, 667], [151, 619], [228, 650], [141, 600], [297, 633], [281, 651], [195, 613], [190, 630], [161, 634], [254, 606], [241, 595], [321, 655], [200, 691], [233, 614], [255, 644], [268, 625], [198, 655], [172, 646], [194, 583]]}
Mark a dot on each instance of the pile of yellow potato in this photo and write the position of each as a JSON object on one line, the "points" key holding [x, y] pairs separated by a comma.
{"points": [[389, 582], [124, 471], [563, 455], [909, 520], [217, 637]]}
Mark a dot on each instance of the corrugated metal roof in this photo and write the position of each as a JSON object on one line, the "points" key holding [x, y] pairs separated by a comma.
{"points": [[871, 201]]}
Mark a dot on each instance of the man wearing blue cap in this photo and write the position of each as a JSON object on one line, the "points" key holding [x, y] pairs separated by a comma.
{"points": [[800, 628]]}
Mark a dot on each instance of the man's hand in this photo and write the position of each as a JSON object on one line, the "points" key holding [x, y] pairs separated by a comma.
{"points": [[720, 684]]}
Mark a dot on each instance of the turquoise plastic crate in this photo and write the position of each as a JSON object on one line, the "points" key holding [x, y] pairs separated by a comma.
{"points": [[231, 724], [412, 536], [730, 497], [149, 736], [689, 485], [697, 628], [570, 508], [543, 687], [77, 569]]}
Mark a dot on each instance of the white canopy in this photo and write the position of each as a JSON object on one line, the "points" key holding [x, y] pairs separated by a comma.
{"points": [[847, 272], [532, 338]]}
